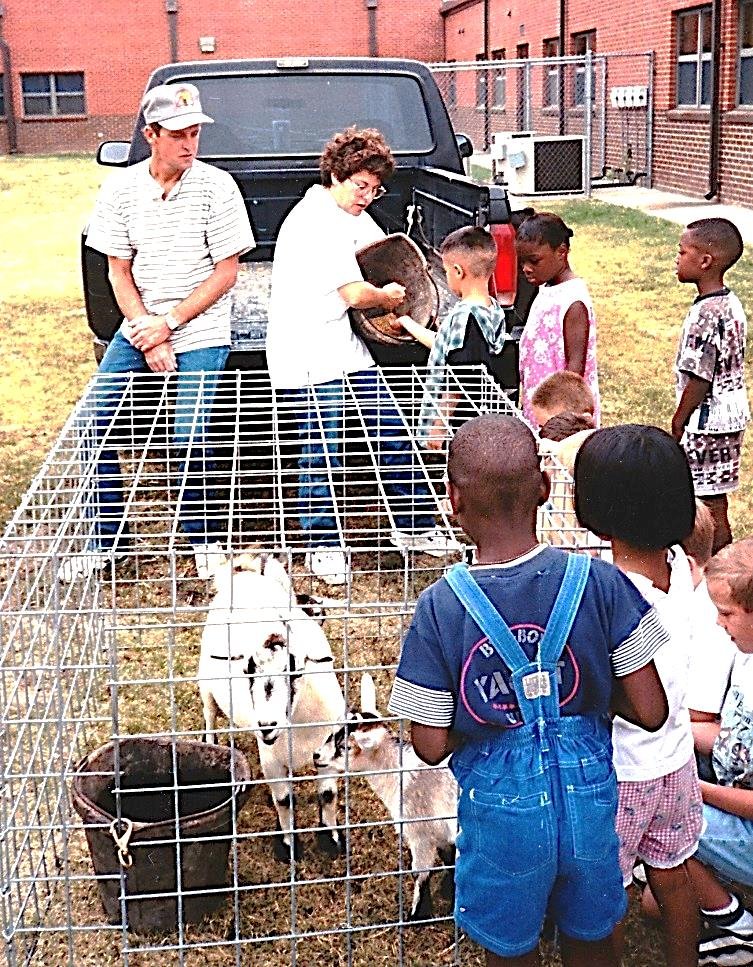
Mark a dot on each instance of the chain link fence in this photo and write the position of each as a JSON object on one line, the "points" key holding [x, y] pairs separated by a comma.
{"points": [[530, 126]]}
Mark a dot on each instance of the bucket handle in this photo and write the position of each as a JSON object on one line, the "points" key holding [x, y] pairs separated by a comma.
{"points": [[121, 842]]}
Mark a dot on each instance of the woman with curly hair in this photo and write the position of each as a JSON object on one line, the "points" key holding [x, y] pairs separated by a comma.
{"points": [[311, 349]]}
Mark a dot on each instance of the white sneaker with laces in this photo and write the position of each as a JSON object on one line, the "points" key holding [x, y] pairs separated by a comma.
{"points": [[209, 559], [81, 566], [434, 542], [329, 564]]}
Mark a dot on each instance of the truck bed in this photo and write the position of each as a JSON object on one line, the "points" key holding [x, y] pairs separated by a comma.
{"points": [[251, 301]]}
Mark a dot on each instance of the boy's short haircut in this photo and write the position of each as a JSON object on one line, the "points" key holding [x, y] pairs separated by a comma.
{"points": [[734, 565], [563, 425], [564, 391], [633, 483], [493, 460], [474, 247], [721, 239], [699, 543]]}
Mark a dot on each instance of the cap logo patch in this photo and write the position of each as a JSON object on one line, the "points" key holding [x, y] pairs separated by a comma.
{"points": [[184, 98]]}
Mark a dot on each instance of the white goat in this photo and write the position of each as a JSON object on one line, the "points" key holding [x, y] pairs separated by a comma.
{"points": [[422, 800], [267, 665]]}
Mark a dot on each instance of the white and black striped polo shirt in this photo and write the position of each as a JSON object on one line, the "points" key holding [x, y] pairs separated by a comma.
{"points": [[175, 242]]}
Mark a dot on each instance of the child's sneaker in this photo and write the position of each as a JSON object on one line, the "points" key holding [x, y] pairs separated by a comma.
{"points": [[640, 880], [726, 938]]}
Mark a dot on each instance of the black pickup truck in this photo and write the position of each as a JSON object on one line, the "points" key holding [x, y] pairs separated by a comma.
{"points": [[272, 119]]}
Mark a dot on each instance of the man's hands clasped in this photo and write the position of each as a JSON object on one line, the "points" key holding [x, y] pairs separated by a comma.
{"points": [[151, 336]]}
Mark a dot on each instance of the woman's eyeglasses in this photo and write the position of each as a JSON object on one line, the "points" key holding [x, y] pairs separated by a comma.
{"points": [[363, 189]]}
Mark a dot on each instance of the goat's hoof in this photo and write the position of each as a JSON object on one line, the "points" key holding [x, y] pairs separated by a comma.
{"points": [[424, 910], [282, 850], [328, 844]]}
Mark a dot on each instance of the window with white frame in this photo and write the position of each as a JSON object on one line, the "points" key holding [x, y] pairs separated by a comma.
{"points": [[581, 44], [694, 57], [551, 48], [53, 95], [745, 67], [499, 86]]}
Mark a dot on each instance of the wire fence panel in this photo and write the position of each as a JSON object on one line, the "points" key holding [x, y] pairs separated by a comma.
{"points": [[125, 837], [529, 123]]}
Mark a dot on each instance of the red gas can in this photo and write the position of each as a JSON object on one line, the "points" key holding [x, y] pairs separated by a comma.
{"points": [[504, 283]]}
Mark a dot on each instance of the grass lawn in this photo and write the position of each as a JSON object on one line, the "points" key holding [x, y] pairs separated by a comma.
{"points": [[44, 339], [626, 257]]}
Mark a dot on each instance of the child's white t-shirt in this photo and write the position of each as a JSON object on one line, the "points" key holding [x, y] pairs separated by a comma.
{"points": [[712, 654], [641, 755]]}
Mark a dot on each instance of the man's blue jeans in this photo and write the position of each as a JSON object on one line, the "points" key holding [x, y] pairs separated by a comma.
{"points": [[323, 413], [195, 387]]}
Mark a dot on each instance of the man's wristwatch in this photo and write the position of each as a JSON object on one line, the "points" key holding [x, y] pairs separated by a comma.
{"points": [[171, 322]]}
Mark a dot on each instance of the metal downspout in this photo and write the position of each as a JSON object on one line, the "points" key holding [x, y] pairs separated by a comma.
{"points": [[171, 8], [715, 118], [10, 108], [371, 6], [650, 121]]}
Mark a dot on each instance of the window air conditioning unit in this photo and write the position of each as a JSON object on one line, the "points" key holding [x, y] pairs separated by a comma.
{"points": [[538, 164]]}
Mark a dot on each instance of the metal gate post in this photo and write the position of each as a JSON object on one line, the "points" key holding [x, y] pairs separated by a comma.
{"points": [[588, 110]]}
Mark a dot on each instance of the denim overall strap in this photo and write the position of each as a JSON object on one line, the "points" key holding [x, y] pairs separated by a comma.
{"points": [[534, 682], [486, 616]]}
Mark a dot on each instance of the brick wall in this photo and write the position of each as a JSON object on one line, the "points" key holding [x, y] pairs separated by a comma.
{"points": [[681, 137], [117, 44]]}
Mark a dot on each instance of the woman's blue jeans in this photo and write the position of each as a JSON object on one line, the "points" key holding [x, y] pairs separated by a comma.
{"points": [[323, 414], [195, 384]]}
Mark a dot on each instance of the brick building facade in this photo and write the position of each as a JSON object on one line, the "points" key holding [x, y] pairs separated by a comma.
{"points": [[689, 41], [74, 72], [78, 68]]}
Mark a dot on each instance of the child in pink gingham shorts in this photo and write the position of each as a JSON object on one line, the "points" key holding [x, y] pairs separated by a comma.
{"points": [[633, 486]]}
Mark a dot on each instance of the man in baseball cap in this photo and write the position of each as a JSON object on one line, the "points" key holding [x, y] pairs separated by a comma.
{"points": [[174, 106], [173, 229]]}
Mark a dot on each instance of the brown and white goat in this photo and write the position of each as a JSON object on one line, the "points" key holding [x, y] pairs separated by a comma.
{"points": [[422, 800]]}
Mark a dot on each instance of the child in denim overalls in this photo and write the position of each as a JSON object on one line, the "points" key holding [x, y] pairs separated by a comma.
{"points": [[526, 714]]}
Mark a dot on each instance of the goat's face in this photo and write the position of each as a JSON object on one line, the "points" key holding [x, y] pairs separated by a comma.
{"points": [[345, 748], [272, 682]]}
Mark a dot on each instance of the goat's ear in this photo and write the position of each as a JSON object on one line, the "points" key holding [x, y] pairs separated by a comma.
{"points": [[368, 694]]}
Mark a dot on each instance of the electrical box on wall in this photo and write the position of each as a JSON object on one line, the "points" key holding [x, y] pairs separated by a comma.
{"points": [[635, 95]]}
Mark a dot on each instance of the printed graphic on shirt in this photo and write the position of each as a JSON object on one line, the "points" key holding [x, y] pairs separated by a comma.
{"points": [[714, 461], [486, 689], [733, 749]]}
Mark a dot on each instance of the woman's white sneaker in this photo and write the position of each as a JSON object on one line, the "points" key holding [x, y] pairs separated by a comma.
{"points": [[329, 564]]}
